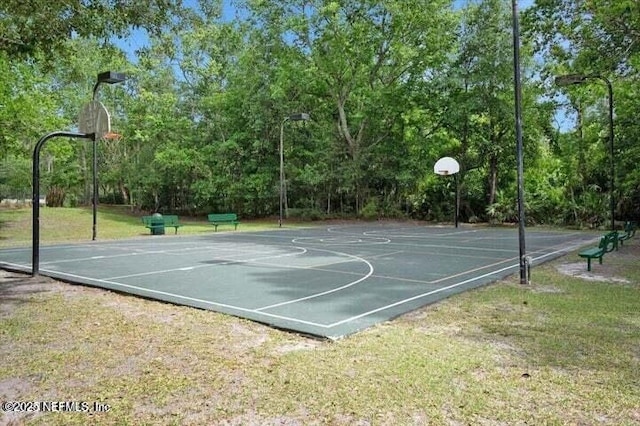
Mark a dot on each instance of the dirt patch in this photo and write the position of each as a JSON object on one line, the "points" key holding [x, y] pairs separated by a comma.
{"points": [[304, 345], [16, 289], [579, 270], [11, 388]]}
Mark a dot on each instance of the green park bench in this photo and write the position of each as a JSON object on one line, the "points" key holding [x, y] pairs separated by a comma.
{"points": [[608, 243], [171, 221], [156, 224], [220, 218], [629, 231]]}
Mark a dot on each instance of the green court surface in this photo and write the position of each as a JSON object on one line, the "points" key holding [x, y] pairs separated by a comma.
{"points": [[327, 282]]}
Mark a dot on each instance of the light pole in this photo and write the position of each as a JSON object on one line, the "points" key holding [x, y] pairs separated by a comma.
{"points": [[108, 77], [571, 79], [524, 263], [294, 117]]}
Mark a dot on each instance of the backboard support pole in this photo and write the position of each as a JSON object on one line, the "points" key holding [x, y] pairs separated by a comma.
{"points": [[35, 200]]}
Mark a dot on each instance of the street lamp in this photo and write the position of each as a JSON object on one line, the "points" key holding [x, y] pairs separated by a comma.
{"points": [[108, 77], [293, 117], [571, 79], [523, 262]]}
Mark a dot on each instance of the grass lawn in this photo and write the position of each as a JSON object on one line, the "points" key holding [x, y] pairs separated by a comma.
{"points": [[113, 222], [564, 350]]}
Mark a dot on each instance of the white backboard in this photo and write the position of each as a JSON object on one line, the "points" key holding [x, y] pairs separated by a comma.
{"points": [[446, 166], [94, 118]]}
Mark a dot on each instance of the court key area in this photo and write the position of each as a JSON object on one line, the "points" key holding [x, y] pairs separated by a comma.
{"points": [[324, 281]]}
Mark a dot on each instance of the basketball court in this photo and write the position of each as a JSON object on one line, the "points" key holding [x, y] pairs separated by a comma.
{"points": [[324, 281]]}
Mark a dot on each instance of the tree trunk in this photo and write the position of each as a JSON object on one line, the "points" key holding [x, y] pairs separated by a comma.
{"points": [[493, 179], [55, 197], [125, 193]]}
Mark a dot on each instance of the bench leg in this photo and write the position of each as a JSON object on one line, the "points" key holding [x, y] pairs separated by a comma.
{"points": [[215, 228], [588, 264], [600, 259]]}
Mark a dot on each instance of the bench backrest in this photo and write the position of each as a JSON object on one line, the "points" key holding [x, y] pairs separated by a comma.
{"points": [[170, 219], [167, 219], [222, 217], [609, 242], [148, 219]]}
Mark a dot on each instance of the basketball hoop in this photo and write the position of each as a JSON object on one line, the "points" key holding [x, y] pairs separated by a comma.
{"points": [[112, 136], [446, 166]]}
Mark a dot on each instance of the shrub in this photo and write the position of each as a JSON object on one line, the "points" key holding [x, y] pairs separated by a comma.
{"points": [[370, 210]]}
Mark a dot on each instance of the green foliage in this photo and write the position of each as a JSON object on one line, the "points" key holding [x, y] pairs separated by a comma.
{"points": [[391, 87], [370, 211], [598, 39], [505, 209], [15, 178], [41, 26], [306, 215]]}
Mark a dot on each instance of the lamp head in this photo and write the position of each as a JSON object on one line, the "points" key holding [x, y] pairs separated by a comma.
{"points": [[303, 116], [111, 77], [570, 79]]}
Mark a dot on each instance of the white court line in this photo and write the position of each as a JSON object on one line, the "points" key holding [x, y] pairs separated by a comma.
{"points": [[136, 252], [439, 253], [192, 299], [392, 235], [429, 293], [84, 259], [419, 296], [17, 250], [397, 278], [312, 296], [389, 240], [224, 262], [440, 246], [140, 252], [16, 265], [347, 240], [296, 320], [535, 235], [29, 249], [321, 266]]}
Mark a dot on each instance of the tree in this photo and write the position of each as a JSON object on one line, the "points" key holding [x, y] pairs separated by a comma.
{"points": [[602, 35], [597, 38], [360, 60], [32, 26]]}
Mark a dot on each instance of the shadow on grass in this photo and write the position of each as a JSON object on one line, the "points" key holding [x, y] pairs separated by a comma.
{"points": [[16, 290]]}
